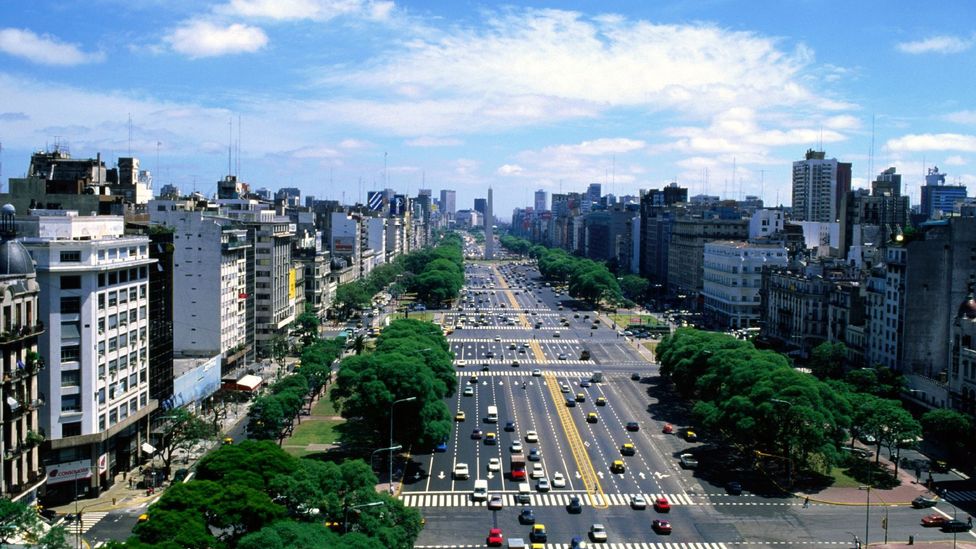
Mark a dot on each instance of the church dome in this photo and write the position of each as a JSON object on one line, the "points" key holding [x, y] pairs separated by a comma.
{"points": [[14, 259], [968, 308]]}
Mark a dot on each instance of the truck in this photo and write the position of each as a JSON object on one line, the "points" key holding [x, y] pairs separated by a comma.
{"points": [[518, 467], [597, 377]]}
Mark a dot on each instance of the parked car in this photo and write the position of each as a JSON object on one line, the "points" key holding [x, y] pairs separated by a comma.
{"points": [[922, 502]]}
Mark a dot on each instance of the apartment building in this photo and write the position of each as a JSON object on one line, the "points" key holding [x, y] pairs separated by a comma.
{"points": [[732, 278]]}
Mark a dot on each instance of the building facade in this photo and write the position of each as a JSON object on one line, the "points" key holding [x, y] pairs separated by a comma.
{"points": [[732, 278], [819, 183]]}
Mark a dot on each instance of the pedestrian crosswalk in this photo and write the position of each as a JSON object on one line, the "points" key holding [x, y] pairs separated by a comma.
{"points": [[88, 519], [522, 372], [504, 340], [621, 545], [523, 328], [548, 499], [960, 495], [522, 362]]}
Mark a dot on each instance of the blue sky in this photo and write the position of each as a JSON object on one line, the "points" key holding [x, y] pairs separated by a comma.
{"points": [[721, 96]]}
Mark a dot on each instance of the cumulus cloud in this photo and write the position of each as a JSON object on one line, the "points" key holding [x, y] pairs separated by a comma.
{"points": [[933, 142], [936, 44], [317, 10], [43, 49], [582, 162], [955, 160], [510, 169], [961, 117], [199, 38]]}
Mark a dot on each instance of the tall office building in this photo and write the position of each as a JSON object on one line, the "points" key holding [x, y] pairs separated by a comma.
{"points": [[937, 197], [448, 202], [593, 194], [481, 206], [819, 184], [540, 201], [489, 229]]}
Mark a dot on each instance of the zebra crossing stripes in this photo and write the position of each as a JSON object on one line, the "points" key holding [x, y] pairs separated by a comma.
{"points": [[522, 328], [546, 499], [615, 545], [519, 373], [960, 495], [505, 340], [88, 519], [507, 362]]}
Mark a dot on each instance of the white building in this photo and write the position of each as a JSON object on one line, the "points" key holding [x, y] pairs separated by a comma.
{"points": [[764, 223], [374, 229], [95, 302], [819, 183], [732, 278]]}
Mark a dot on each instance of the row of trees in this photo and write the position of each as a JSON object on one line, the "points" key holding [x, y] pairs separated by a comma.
{"points": [[411, 360], [759, 402], [256, 496], [421, 271], [272, 414], [587, 279]]}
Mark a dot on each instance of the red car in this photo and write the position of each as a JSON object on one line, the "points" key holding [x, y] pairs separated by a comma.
{"points": [[661, 505], [668, 429], [661, 526], [934, 520], [495, 537]]}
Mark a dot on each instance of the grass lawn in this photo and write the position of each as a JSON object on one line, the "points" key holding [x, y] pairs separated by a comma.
{"points": [[313, 431], [627, 320], [842, 479], [324, 407], [417, 315], [651, 346]]}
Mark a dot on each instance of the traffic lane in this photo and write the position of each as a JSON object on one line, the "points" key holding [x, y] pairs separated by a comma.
{"points": [[599, 446], [555, 454]]}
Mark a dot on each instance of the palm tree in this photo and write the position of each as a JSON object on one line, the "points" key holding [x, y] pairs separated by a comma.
{"points": [[359, 344]]}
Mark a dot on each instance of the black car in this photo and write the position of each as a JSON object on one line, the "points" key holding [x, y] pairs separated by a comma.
{"points": [[635, 376], [921, 502], [526, 516], [575, 506], [509, 426], [633, 426], [734, 488], [956, 526]]}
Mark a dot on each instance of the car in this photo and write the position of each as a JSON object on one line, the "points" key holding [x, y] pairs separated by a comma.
{"points": [[617, 466], [497, 338], [563, 388], [491, 438], [661, 505], [460, 363], [734, 488], [537, 471], [535, 455], [922, 502], [542, 485], [558, 480], [575, 506], [461, 471], [473, 379], [526, 516], [512, 346], [668, 429], [468, 391], [490, 354], [580, 397], [955, 525], [688, 461], [538, 533], [691, 436], [661, 526], [495, 503], [459, 416], [635, 376], [577, 543], [476, 434], [532, 436], [441, 447], [516, 447], [633, 426], [494, 464], [515, 364], [495, 537], [628, 449], [485, 367], [563, 356], [637, 501], [509, 426], [555, 334], [592, 417], [536, 372], [934, 520], [598, 533], [601, 401], [585, 383]]}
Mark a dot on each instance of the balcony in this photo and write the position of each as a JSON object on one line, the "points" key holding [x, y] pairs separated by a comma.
{"points": [[23, 332]]}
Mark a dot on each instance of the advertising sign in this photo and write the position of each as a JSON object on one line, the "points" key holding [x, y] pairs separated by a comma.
{"points": [[69, 472]]}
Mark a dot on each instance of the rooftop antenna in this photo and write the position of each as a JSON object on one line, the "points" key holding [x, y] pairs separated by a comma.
{"points": [[821, 138], [238, 169], [613, 178], [158, 143], [130, 134], [733, 174], [230, 144]]}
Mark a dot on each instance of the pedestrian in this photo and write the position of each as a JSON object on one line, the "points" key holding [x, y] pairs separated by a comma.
{"points": [[969, 520], [806, 502]]}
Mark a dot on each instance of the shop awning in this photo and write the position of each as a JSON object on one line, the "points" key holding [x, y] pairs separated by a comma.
{"points": [[249, 382], [148, 448]]}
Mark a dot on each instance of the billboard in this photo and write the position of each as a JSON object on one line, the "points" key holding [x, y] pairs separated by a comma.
{"points": [[374, 200], [68, 472], [291, 284], [398, 206], [343, 244]]}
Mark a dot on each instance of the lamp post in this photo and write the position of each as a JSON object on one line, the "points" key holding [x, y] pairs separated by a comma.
{"points": [[374, 452], [395, 402], [345, 520], [867, 512], [789, 454]]}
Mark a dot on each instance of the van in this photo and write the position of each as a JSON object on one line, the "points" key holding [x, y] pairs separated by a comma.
{"points": [[492, 414], [524, 491], [480, 492]]}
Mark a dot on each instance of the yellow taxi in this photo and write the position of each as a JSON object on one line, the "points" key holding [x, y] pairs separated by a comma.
{"points": [[601, 401], [228, 440], [628, 449], [592, 417], [691, 436], [459, 416], [580, 397], [617, 466], [143, 517], [491, 438]]}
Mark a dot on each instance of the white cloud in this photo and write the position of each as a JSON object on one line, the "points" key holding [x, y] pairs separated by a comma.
{"points": [[317, 10], [315, 152], [510, 169], [354, 144], [936, 44], [955, 160], [579, 163], [198, 38], [933, 142], [961, 117], [428, 141], [842, 122], [43, 49]]}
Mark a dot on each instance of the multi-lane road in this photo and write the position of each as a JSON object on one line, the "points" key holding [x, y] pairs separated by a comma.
{"points": [[518, 351]]}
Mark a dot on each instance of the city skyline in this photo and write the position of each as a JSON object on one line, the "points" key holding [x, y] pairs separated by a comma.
{"points": [[341, 98]]}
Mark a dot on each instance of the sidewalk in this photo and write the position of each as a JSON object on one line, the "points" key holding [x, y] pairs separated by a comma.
{"points": [[900, 495]]}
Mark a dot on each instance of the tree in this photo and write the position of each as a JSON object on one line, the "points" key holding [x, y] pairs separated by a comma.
{"points": [[949, 428], [359, 344], [634, 287], [285, 534], [350, 297], [308, 326], [20, 521], [879, 381], [828, 360], [181, 431], [891, 425]]}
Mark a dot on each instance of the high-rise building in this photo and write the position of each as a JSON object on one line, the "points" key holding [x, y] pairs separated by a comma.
{"points": [[593, 194], [481, 206], [885, 209], [448, 202], [819, 185], [540, 201], [489, 229], [937, 197]]}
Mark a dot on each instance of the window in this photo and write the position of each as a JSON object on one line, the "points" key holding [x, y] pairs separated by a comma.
{"points": [[71, 282], [70, 378], [101, 422], [123, 412], [101, 372], [133, 380], [101, 396], [112, 299], [113, 344], [101, 302], [70, 256], [70, 305], [72, 429], [113, 417], [70, 353], [70, 403]]}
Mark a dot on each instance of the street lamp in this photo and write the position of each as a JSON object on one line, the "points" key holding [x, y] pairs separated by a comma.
{"points": [[789, 455], [374, 452], [345, 520], [867, 512], [395, 402]]}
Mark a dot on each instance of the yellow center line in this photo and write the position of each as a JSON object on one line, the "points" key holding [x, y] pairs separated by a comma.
{"points": [[537, 350], [587, 473]]}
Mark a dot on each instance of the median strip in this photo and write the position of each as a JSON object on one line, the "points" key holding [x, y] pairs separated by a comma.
{"points": [[591, 483]]}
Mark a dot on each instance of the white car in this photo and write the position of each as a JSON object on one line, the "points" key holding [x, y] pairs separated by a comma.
{"points": [[468, 391], [558, 480], [536, 372], [494, 464], [531, 436], [461, 471], [537, 471], [542, 485], [598, 533], [563, 388], [516, 447], [638, 502], [498, 338]]}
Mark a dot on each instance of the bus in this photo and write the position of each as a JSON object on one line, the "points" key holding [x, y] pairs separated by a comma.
{"points": [[492, 414]]}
